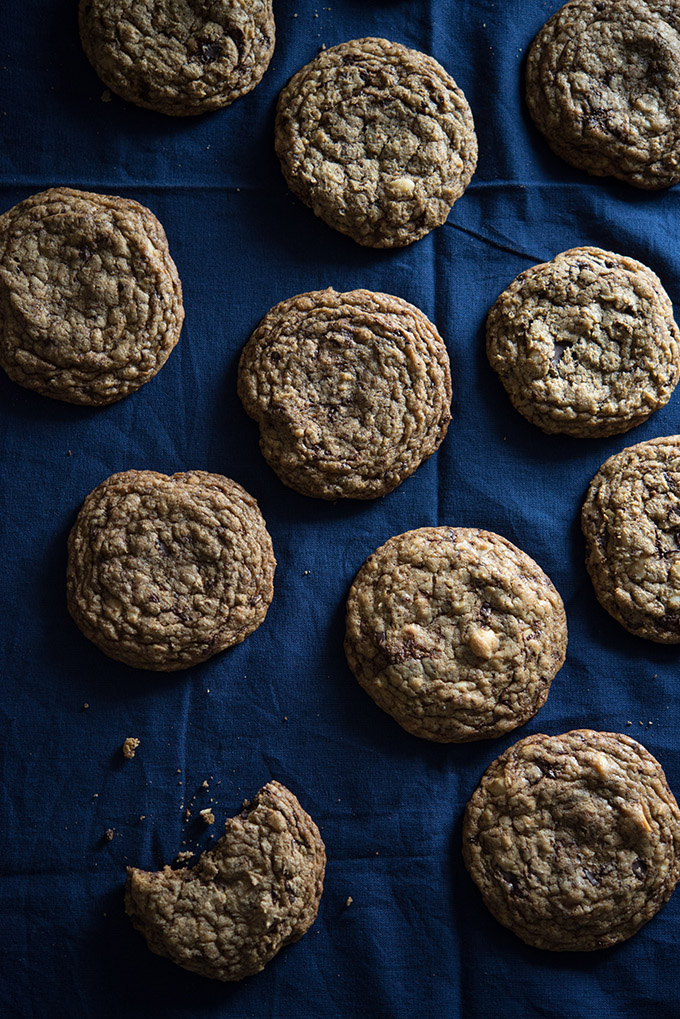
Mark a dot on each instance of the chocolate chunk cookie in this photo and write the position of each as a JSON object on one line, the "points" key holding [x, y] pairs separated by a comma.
{"points": [[603, 85], [573, 840], [90, 299], [179, 57], [631, 522], [351, 391], [255, 891], [585, 344], [377, 139], [455, 632], [164, 572]]}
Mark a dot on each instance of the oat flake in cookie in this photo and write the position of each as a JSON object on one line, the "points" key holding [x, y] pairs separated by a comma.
{"points": [[164, 572], [179, 57], [255, 891], [603, 86], [631, 522], [455, 632], [351, 391], [90, 300], [377, 139], [573, 840], [585, 344]]}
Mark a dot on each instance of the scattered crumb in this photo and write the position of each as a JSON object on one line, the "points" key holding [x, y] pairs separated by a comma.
{"points": [[69, 453], [178, 772], [629, 723], [305, 573], [285, 718], [130, 747], [187, 814], [204, 784], [106, 96], [184, 855], [86, 705], [108, 835], [207, 816], [142, 816], [95, 795], [350, 900]]}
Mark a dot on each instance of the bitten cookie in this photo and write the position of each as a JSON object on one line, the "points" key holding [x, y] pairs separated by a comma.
{"points": [[351, 391], [585, 344], [164, 572], [455, 632], [631, 519], [573, 840], [177, 56], [255, 891], [90, 300], [377, 139], [603, 86]]}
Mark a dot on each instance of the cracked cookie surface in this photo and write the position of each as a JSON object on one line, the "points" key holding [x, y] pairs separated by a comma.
{"points": [[165, 571], [377, 139], [90, 300], [351, 391], [603, 86], [631, 523], [255, 891], [585, 344], [454, 632], [179, 57], [573, 840]]}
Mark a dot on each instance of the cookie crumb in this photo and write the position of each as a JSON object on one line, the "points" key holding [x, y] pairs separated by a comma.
{"points": [[142, 816], [184, 855], [106, 96], [85, 706], [108, 834], [629, 723], [204, 784], [349, 901], [130, 747], [207, 816]]}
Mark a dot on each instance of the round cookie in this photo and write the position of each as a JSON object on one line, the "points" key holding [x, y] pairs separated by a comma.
{"points": [[585, 344], [631, 519], [164, 572], [455, 632], [351, 391], [603, 86], [377, 139], [178, 57], [573, 840], [90, 300], [255, 891]]}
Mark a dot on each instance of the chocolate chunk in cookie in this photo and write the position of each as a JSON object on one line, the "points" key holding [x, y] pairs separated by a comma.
{"points": [[377, 139], [573, 840], [603, 85], [631, 523], [455, 632], [90, 300], [179, 57], [585, 344], [351, 391], [164, 572], [255, 891]]}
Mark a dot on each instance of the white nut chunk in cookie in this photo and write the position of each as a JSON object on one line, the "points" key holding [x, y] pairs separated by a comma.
{"points": [[257, 890]]}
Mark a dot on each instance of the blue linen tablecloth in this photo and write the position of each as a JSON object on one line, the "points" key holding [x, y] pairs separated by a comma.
{"points": [[416, 939]]}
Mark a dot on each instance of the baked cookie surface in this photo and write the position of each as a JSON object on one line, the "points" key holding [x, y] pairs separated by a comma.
{"points": [[255, 891], [90, 300], [573, 840], [454, 632], [164, 572], [585, 344], [351, 391], [603, 86], [179, 57], [630, 520], [377, 139]]}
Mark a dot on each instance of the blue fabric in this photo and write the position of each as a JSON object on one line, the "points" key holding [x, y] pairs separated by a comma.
{"points": [[416, 939]]}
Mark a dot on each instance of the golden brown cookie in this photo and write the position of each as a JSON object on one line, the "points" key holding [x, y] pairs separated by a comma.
{"points": [[631, 523], [585, 344], [603, 86], [455, 632], [90, 300], [164, 572], [573, 840], [351, 391], [377, 139], [255, 891], [179, 57]]}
